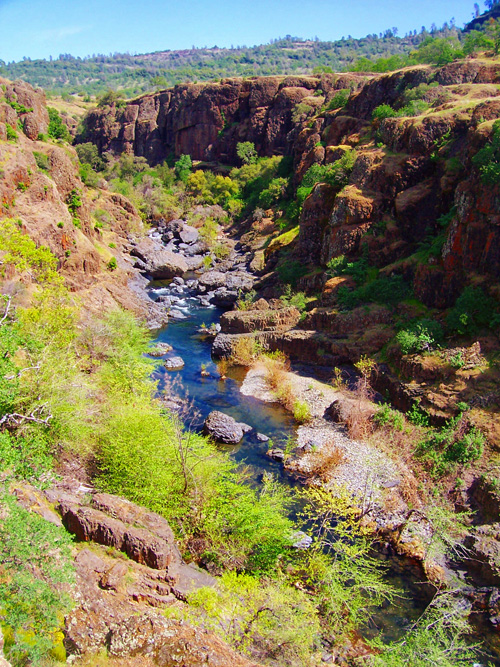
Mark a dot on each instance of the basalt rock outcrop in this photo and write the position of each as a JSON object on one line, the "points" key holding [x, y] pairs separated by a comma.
{"points": [[207, 120]]}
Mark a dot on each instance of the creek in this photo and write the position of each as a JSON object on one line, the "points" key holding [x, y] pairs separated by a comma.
{"points": [[211, 393]]}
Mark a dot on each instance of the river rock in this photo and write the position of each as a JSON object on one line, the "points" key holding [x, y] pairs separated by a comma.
{"points": [[178, 280], [301, 540], [262, 438], [213, 279], [159, 350], [177, 315], [188, 234], [160, 262], [174, 363], [276, 455], [223, 428], [194, 263], [224, 298]]}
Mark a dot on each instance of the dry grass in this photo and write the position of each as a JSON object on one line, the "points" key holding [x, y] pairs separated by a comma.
{"points": [[277, 367], [324, 462], [244, 352]]}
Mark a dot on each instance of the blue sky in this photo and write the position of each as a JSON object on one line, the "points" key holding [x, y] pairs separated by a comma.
{"points": [[43, 28]]}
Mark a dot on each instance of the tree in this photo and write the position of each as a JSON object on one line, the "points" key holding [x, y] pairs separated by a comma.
{"points": [[246, 152], [183, 167]]}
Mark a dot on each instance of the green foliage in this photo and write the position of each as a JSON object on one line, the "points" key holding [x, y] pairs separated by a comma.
{"points": [[382, 112], [74, 203], [110, 98], [183, 167], [57, 129], [388, 416], [439, 637], [11, 133], [438, 51], [35, 560], [419, 336], [387, 290], [340, 99], [89, 154], [248, 614], [22, 252], [89, 177], [473, 310], [416, 415], [296, 299], [301, 412], [245, 150], [358, 269], [290, 271], [335, 174], [456, 442], [263, 177], [19, 108], [112, 265], [488, 158], [134, 75], [42, 161]]}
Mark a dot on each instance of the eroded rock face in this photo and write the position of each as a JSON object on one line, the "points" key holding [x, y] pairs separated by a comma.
{"points": [[248, 321], [207, 121]]}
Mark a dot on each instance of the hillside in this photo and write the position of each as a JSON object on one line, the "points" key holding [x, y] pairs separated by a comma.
{"points": [[135, 74]]}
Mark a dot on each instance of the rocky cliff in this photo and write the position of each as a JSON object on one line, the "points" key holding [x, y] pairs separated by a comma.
{"points": [[207, 121]]}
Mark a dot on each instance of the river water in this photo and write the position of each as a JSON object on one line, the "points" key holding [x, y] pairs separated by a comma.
{"points": [[212, 393]]}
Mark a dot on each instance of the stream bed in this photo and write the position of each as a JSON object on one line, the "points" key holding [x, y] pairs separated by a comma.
{"points": [[211, 393]]}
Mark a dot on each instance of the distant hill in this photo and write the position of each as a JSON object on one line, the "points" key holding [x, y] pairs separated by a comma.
{"points": [[135, 74]]}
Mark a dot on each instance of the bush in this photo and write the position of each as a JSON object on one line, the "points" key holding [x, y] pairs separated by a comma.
{"points": [[11, 133], [335, 174], [33, 605], [301, 412], [42, 161], [183, 167], [457, 442], [473, 310], [340, 99], [112, 265], [438, 51], [57, 129], [382, 290], [488, 158], [387, 416], [421, 335], [382, 112]]}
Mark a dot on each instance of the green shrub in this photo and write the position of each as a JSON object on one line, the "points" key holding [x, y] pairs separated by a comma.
{"points": [[382, 112], [416, 415], [301, 412], [290, 271], [386, 415], [11, 133], [42, 161], [183, 167], [335, 174], [246, 152], [473, 310], [89, 176], [340, 99], [112, 265], [456, 442], [389, 290], [419, 336], [57, 129], [35, 560], [488, 158], [438, 50]]}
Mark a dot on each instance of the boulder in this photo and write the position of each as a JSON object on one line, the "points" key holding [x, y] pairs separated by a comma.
{"points": [[174, 363], [276, 455], [212, 279], [159, 349], [159, 262], [223, 428], [188, 234]]}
